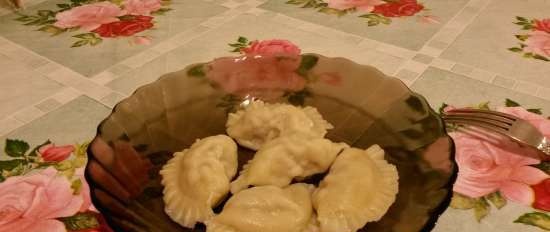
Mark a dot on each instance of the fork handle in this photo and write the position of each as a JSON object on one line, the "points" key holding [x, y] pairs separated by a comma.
{"points": [[544, 147]]}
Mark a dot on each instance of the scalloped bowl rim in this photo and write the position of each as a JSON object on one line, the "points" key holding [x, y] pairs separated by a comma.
{"points": [[437, 211]]}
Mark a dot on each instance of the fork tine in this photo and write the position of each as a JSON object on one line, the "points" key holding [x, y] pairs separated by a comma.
{"points": [[486, 112], [481, 124], [496, 121]]}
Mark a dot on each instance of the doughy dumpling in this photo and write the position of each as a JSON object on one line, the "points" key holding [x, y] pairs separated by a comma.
{"points": [[313, 224], [197, 179], [285, 158], [261, 122], [359, 188], [266, 209]]}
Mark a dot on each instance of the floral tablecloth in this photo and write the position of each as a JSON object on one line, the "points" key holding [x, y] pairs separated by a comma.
{"points": [[44, 188], [66, 63], [499, 170]]}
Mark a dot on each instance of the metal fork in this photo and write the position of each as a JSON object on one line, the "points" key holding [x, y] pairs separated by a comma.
{"points": [[505, 124]]}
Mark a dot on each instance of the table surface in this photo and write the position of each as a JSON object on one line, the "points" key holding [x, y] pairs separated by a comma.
{"points": [[453, 51]]}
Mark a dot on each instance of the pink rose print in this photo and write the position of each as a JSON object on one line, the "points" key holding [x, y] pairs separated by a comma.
{"points": [[331, 78], [33, 202], [126, 27], [361, 5], [542, 25], [374, 12], [141, 7], [429, 19], [535, 43], [273, 47], [92, 22], [433, 156], [269, 76], [485, 167], [540, 122], [542, 195], [52, 153], [448, 108], [538, 43], [399, 8], [103, 227], [84, 192], [142, 40], [89, 17]]}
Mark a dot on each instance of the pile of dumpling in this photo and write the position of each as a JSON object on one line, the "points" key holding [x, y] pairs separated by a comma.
{"points": [[290, 146]]}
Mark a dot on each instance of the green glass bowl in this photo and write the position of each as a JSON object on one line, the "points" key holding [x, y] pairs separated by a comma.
{"points": [[365, 106]]}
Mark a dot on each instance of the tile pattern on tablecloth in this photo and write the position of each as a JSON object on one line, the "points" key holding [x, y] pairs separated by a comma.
{"points": [[442, 86], [454, 220], [73, 122], [13, 94], [90, 60], [405, 32], [484, 43], [212, 44]]}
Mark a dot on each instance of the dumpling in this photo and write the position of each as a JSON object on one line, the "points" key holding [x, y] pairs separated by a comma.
{"points": [[313, 224], [197, 179], [266, 209], [261, 122], [285, 158], [359, 188]]}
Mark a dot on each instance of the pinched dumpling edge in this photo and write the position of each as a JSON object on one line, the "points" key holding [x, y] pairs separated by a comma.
{"points": [[243, 180], [311, 225], [384, 196], [179, 207], [319, 128]]}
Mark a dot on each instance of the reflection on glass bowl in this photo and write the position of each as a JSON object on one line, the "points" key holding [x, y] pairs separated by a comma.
{"points": [[365, 106]]}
